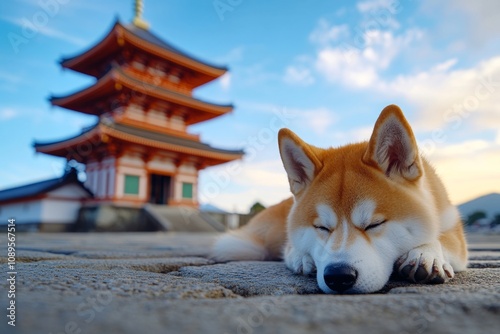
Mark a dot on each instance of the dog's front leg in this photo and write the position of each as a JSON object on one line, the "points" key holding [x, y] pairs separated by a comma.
{"points": [[425, 264], [297, 261]]}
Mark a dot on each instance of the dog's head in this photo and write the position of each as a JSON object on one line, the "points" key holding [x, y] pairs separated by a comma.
{"points": [[359, 207]]}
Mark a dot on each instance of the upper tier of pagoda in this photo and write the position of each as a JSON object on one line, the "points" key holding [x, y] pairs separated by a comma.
{"points": [[120, 88], [129, 45], [134, 67]]}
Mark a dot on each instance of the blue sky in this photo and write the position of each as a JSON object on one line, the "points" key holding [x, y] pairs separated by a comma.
{"points": [[325, 69]]}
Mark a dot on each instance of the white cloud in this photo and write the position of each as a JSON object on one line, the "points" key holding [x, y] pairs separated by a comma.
{"points": [[326, 33], [8, 113], [298, 76], [254, 74], [356, 58], [444, 95], [234, 55], [445, 66], [54, 33], [378, 14], [354, 135], [225, 81], [319, 120], [9, 82], [349, 69], [462, 149], [44, 30], [263, 181], [479, 20], [454, 99], [373, 5], [10, 78], [360, 68], [468, 169]]}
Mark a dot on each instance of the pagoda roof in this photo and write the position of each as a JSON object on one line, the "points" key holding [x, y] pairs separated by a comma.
{"points": [[116, 80], [142, 39], [107, 129]]}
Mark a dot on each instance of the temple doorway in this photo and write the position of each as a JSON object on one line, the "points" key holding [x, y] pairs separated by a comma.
{"points": [[160, 191]]}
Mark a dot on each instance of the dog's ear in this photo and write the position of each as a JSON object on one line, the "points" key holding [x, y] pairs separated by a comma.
{"points": [[299, 159], [392, 147]]}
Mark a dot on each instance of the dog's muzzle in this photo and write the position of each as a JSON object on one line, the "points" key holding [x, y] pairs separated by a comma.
{"points": [[340, 277]]}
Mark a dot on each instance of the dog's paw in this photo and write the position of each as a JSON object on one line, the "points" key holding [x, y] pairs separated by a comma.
{"points": [[299, 262], [425, 264]]}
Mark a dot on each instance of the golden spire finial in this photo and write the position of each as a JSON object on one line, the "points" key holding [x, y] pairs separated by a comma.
{"points": [[138, 21]]}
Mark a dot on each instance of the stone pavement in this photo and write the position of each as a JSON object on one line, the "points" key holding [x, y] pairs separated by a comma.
{"points": [[164, 283]]}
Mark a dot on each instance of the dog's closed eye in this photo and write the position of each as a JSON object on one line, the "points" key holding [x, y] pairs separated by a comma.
{"points": [[322, 228], [375, 224]]}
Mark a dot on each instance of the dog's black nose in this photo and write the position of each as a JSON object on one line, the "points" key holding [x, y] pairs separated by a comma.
{"points": [[340, 277]]}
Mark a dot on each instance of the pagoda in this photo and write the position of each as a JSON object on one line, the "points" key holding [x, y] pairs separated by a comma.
{"points": [[140, 151]]}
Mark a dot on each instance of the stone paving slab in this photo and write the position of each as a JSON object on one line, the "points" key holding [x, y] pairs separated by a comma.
{"points": [[273, 278], [483, 255], [249, 278], [407, 313], [109, 245], [164, 283], [34, 256], [484, 264], [86, 281], [154, 265]]}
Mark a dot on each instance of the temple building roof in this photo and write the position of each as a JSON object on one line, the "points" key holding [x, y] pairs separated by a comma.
{"points": [[42, 187], [121, 36], [105, 131]]}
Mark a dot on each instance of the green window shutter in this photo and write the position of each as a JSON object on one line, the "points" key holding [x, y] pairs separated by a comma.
{"points": [[131, 184], [187, 190]]}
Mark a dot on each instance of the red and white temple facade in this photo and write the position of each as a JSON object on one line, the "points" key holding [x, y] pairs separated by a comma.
{"points": [[140, 150]]}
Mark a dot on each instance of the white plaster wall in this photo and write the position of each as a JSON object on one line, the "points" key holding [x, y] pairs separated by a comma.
{"points": [[131, 160], [88, 180], [135, 112], [89, 171], [59, 211], [68, 191], [162, 165], [177, 123], [103, 179], [23, 213], [95, 181], [109, 161], [111, 182], [156, 117], [108, 169], [187, 168]]}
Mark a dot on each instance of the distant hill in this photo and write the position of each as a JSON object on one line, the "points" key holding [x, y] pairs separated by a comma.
{"points": [[490, 204], [211, 208]]}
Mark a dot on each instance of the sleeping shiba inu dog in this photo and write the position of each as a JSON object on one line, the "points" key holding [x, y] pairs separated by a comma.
{"points": [[358, 213]]}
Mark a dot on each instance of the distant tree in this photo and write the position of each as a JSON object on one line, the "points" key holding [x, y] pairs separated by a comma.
{"points": [[256, 208], [475, 216], [496, 220]]}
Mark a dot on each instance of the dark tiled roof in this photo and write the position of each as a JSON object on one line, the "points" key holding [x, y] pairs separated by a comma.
{"points": [[148, 86], [149, 37], [170, 139], [152, 38], [147, 134], [41, 187], [84, 131]]}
